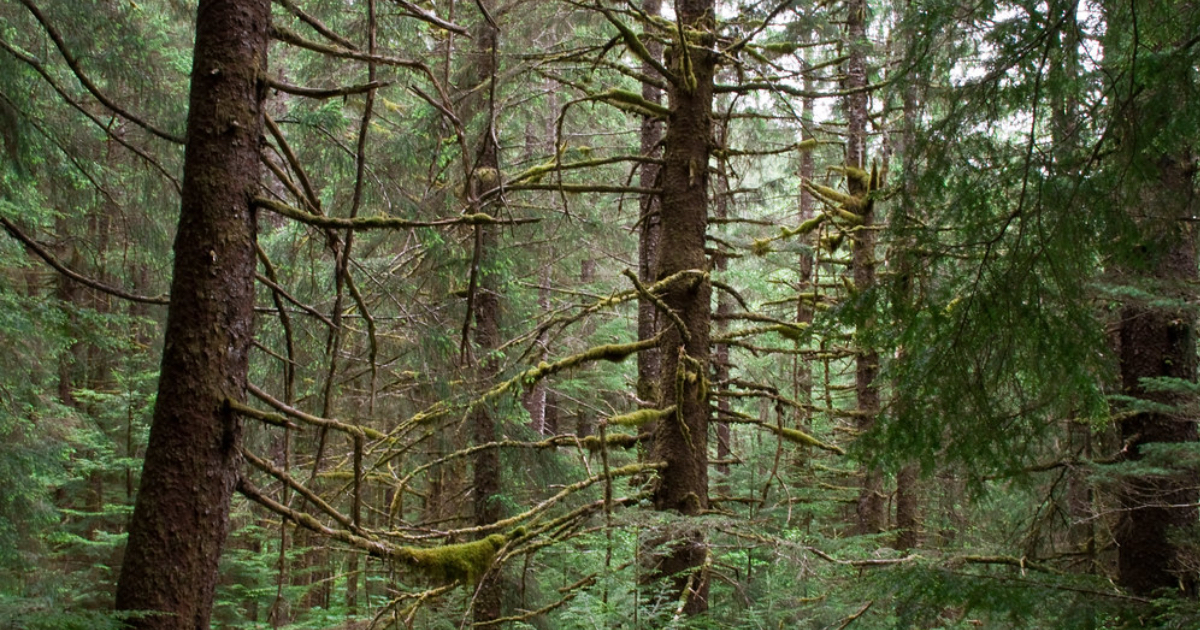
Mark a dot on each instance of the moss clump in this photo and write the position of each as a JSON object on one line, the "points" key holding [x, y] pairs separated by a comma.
{"points": [[462, 562], [799, 437], [641, 417]]}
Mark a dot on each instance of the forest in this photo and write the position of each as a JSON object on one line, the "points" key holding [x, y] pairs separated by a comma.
{"points": [[577, 314]]}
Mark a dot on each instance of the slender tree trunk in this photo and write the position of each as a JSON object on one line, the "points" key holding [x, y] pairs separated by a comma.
{"points": [[485, 176], [649, 221], [802, 373], [681, 441], [181, 516], [870, 508], [907, 491]]}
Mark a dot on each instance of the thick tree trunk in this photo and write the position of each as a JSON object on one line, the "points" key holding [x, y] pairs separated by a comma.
{"points": [[181, 517], [1160, 341], [681, 441]]}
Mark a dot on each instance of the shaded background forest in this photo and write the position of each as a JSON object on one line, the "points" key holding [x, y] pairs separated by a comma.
{"points": [[950, 368]]}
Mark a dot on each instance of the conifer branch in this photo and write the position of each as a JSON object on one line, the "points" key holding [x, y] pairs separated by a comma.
{"points": [[635, 45], [380, 223], [49, 258], [87, 83], [306, 418], [324, 93]]}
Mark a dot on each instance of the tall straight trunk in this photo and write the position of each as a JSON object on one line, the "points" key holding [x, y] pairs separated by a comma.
{"points": [[649, 221], [181, 517], [802, 373], [907, 479], [870, 511], [720, 359], [1157, 337], [1160, 341], [681, 440], [485, 176]]}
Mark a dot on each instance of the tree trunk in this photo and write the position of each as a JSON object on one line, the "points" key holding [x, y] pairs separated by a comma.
{"points": [[681, 441], [1160, 341], [649, 221], [1157, 336], [181, 516], [484, 176], [870, 507]]}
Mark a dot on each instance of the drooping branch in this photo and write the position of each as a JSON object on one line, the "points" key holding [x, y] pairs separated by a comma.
{"points": [[306, 418], [41, 252], [635, 45], [324, 93], [288, 36], [107, 129], [87, 83], [659, 304], [430, 18], [300, 488], [317, 25]]}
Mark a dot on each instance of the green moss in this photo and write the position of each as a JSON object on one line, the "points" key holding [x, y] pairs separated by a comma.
{"points": [[799, 437], [779, 48], [641, 417], [461, 562]]}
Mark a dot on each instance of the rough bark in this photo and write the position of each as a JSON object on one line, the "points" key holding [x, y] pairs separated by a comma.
{"points": [[1157, 336], [870, 510], [681, 441], [907, 491], [1160, 341], [486, 471], [181, 517], [649, 221]]}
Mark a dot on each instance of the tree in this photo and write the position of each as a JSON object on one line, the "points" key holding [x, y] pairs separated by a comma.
{"points": [[1157, 333], [681, 440], [181, 517]]}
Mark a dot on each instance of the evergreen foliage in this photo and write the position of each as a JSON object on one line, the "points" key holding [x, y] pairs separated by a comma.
{"points": [[1014, 194]]}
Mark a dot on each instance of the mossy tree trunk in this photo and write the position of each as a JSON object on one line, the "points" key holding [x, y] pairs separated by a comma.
{"points": [[871, 515], [181, 517], [681, 441], [486, 297], [648, 222]]}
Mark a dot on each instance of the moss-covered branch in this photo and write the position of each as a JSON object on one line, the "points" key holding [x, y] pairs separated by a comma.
{"points": [[306, 418], [658, 304], [535, 173], [797, 436], [569, 490], [584, 188], [379, 223], [635, 45], [300, 488], [789, 330], [641, 417]]}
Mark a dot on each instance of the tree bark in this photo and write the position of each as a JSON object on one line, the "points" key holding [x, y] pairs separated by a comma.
{"points": [[870, 507], [181, 517], [484, 176], [681, 440], [1157, 336], [649, 221], [1158, 341]]}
